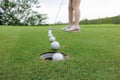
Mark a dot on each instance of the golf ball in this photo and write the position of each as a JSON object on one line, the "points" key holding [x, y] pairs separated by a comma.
{"points": [[50, 35], [58, 56], [55, 45], [49, 31], [51, 39]]}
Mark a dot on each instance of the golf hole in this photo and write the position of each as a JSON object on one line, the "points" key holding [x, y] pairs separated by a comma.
{"points": [[51, 56]]}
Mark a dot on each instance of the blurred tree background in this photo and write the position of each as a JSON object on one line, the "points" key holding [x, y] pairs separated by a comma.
{"points": [[25, 12], [21, 12], [107, 20]]}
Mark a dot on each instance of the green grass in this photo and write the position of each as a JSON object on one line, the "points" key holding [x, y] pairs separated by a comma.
{"points": [[93, 53]]}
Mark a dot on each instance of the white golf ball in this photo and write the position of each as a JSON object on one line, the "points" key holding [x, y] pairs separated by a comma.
{"points": [[51, 39], [50, 35], [49, 31], [55, 45], [58, 56]]}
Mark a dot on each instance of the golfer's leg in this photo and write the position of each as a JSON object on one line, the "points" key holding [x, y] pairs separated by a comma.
{"points": [[76, 4], [70, 12]]}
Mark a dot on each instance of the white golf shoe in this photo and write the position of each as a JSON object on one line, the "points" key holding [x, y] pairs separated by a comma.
{"points": [[73, 29]]}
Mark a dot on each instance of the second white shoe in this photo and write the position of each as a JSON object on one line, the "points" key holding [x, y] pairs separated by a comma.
{"points": [[73, 29], [67, 27]]}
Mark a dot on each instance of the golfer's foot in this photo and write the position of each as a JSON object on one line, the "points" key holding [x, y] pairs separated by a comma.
{"points": [[67, 27], [73, 29]]}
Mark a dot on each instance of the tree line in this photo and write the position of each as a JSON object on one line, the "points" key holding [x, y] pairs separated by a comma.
{"points": [[21, 12], [107, 20]]}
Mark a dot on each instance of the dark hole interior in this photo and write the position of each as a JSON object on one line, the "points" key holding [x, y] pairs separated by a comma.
{"points": [[48, 55]]}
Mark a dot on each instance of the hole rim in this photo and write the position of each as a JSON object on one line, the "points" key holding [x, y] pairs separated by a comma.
{"points": [[52, 53]]}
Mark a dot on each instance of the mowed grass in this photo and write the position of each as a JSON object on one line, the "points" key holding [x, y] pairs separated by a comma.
{"points": [[93, 53]]}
